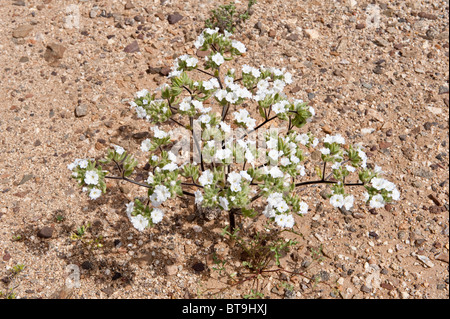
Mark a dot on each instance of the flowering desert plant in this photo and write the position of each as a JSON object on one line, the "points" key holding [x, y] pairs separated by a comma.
{"points": [[234, 163]]}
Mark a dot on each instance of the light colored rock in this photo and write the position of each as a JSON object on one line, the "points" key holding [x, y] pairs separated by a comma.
{"points": [[312, 34]]}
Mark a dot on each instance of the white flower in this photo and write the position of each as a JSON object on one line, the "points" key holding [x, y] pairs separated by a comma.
{"points": [[139, 222], [146, 145], [238, 46], [119, 149], [363, 157], [218, 59], [170, 167], [234, 177], [150, 178], [303, 208], [280, 107], [285, 221], [337, 200], [395, 194], [278, 85], [211, 31], [282, 206], [91, 178], [389, 186], [336, 165], [206, 178], [249, 156], [130, 209], [236, 187], [325, 151], [231, 97], [245, 175], [198, 197], [272, 143], [250, 123], [350, 168], [366, 196], [241, 116], [275, 172], [141, 112], [141, 93], [220, 94], [255, 72], [156, 215], [302, 139], [205, 118], [160, 195], [246, 69], [269, 212], [223, 154], [348, 202], [228, 80], [223, 202], [274, 198], [378, 169], [377, 201], [273, 154], [285, 161], [288, 78], [185, 106], [301, 170], [315, 142], [95, 193], [199, 42], [159, 133], [378, 183], [225, 127], [191, 62]]}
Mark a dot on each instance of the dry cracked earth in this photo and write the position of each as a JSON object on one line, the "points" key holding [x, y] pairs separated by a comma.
{"points": [[375, 72]]}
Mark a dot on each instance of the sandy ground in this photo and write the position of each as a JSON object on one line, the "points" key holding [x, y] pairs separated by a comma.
{"points": [[375, 73]]}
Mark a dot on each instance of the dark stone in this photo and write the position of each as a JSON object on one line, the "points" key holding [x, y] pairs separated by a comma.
{"points": [[378, 70], [87, 265], [54, 52], [132, 47], [292, 37], [174, 18], [117, 275], [81, 110], [165, 71], [426, 15], [387, 286], [117, 243], [45, 232], [141, 135], [198, 266], [366, 289]]}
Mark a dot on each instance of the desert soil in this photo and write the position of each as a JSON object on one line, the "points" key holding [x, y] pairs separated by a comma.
{"points": [[375, 72]]}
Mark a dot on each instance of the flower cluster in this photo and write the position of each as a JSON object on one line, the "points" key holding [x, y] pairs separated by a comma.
{"points": [[147, 107], [89, 176], [233, 173]]}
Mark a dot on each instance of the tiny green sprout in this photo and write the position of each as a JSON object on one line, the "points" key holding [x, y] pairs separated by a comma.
{"points": [[254, 295], [80, 232], [17, 269], [17, 238], [317, 254], [220, 264], [60, 218]]}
